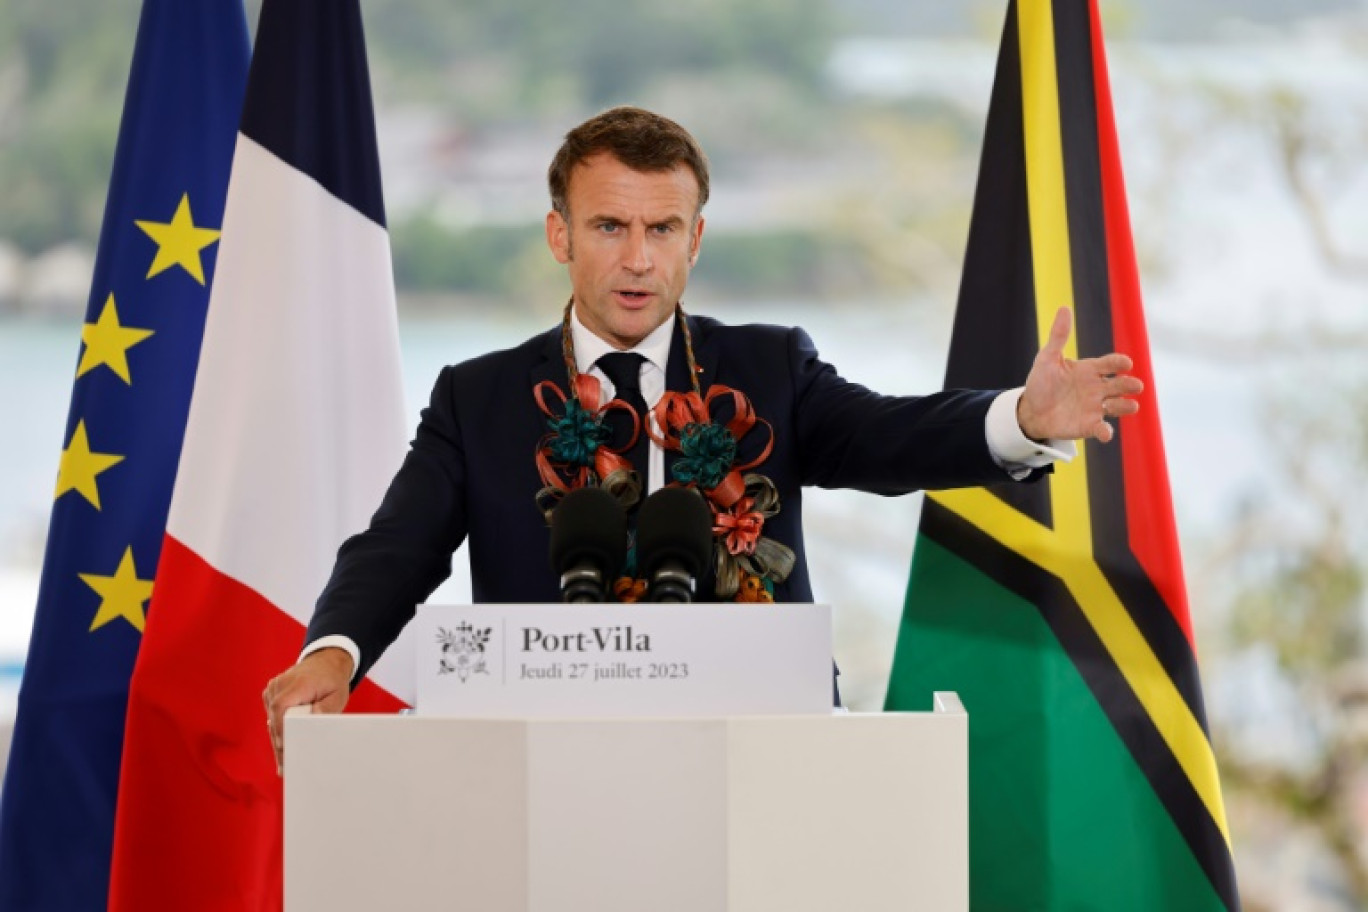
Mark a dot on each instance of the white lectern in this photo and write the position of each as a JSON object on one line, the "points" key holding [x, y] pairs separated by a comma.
{"points": [[740, 814]]}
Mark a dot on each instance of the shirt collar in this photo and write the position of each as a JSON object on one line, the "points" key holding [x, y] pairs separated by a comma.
{"points": [[589, 347]]}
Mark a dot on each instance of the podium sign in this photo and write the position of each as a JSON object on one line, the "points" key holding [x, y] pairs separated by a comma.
{"points": [[619, 660]]}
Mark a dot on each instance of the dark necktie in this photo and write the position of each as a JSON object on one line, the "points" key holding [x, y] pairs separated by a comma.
{"points": [[623, 369]]}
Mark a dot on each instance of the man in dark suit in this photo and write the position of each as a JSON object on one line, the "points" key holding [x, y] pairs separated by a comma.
{"points": [[628, 189]]}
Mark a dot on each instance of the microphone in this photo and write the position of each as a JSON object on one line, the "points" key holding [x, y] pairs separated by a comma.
{"points": [[674, 542], [588, 543]]}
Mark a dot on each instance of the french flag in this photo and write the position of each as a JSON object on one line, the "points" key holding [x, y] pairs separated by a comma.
{"points": [[295, 428]]}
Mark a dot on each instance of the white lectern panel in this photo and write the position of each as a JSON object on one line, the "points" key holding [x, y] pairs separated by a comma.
{"points": [[796, 805], [382, 812], [742, 814], [652, 814]]}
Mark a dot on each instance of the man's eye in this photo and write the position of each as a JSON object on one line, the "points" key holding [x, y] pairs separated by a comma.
{"points": [[609, 228], [662, 229]]}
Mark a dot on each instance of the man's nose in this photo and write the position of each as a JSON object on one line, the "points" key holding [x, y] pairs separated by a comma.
{"points": [[636, 258]]}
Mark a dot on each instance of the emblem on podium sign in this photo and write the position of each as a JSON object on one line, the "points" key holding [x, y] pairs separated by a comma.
{"points": [[463, 650]]}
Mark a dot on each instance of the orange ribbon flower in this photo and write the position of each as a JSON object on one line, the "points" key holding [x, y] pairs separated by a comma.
{"points": [[740, 526], [567, 476], [675, 411]]}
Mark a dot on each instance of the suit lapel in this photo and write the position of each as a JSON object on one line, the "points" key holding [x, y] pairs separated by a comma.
{"points": [[549, 365], [705, 354]]}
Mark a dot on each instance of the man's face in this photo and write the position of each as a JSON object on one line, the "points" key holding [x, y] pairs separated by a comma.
{"points": [[629, 242]]}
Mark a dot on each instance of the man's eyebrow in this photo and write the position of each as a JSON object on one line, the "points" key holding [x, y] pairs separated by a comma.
{"points": [[669, 221]]}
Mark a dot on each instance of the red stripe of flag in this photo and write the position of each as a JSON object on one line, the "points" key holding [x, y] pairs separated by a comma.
{"points": [[235, 862], [1149, 505]]}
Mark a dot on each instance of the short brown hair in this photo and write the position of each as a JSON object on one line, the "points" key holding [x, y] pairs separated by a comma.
{"points": [[636, 137]]}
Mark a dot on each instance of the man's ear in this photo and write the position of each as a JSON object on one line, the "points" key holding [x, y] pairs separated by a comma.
{"points": [[558, 236], [696, 242]]}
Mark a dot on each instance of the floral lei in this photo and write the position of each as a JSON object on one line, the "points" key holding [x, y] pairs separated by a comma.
{"points": [[576, 452]]}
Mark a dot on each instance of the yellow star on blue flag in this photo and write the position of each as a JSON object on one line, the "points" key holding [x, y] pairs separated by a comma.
{"points": [[122, 595], [80, 466], [107, 342], [179, 241]]}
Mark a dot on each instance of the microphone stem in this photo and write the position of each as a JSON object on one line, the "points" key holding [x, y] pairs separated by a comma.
{"points": [[672, 583], [582, 584]]}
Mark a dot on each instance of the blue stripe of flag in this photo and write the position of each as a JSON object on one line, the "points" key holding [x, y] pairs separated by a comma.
{"points": [[328, 135]]}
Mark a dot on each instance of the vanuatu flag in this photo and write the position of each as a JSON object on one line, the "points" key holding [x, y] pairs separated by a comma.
{"points": [[1057, 610]]}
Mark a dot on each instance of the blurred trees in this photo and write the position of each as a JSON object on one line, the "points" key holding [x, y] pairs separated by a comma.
{"points": [[63, 70], [593, 54], [1289, 577], [1297, 587], [746, 75]]}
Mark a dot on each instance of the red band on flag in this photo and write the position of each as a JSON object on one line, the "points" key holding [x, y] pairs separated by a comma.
{"points": [[197, 730], [1149, 505]]}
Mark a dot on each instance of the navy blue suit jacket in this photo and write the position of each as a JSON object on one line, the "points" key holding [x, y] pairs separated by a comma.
{"points": [[470, 474]]}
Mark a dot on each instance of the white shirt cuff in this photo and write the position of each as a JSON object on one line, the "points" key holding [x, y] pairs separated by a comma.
{"points": [[336, 641], [1012, 449]]}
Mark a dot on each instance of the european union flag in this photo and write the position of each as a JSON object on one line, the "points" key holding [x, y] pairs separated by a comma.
{"points": [[131, 392]]}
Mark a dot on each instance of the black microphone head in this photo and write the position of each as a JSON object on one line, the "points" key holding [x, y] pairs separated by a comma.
{"points": [[675, 525], [589, 526]]}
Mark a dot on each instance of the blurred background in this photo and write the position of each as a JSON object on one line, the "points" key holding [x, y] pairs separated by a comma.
{"points": [[844, 136]]}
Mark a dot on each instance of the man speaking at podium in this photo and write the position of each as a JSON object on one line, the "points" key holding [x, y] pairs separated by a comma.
{"points": [[629, 392]]}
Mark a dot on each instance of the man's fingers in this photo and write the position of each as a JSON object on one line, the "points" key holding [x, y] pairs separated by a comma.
{"points": [[277, 734], [1114, 363], [277, 700], [288, 691], [1059, 332], [1120, 408], [320, 681], [281, 696], [1126, 386]]}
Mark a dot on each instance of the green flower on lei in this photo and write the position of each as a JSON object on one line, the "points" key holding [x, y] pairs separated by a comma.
{"points": [[706, 455], [577, 435]]}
